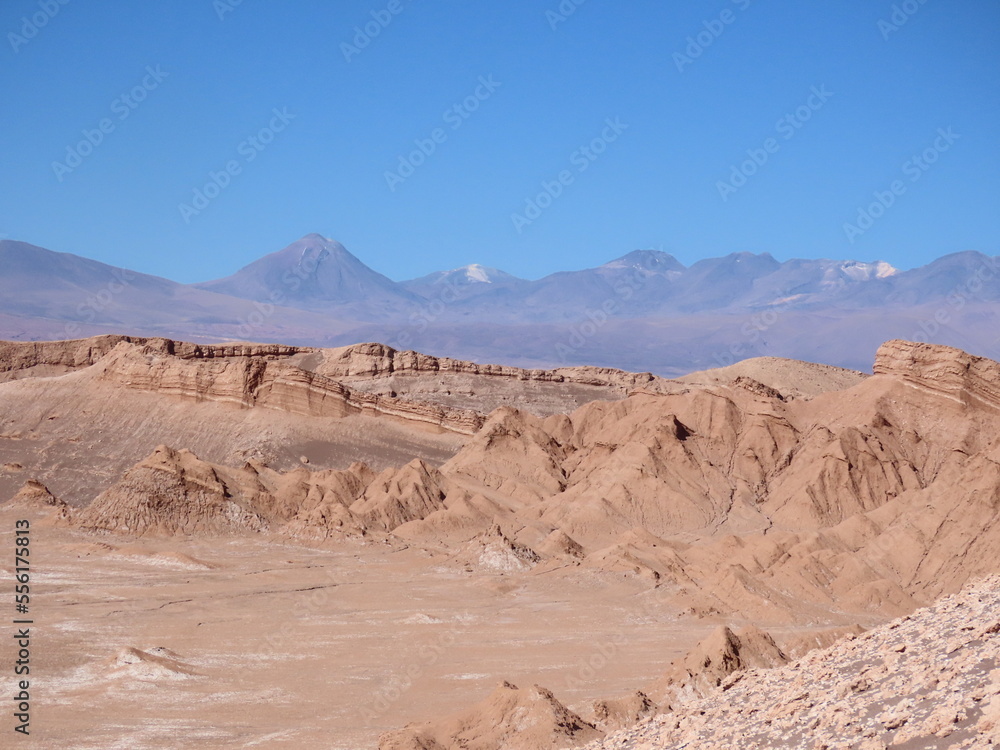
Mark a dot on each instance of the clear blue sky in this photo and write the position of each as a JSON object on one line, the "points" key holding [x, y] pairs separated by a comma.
{"points": [[655, 186]]}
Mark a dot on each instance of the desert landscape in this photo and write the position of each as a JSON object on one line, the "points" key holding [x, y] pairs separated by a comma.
{"points": [[563, 375], [258, 545]]}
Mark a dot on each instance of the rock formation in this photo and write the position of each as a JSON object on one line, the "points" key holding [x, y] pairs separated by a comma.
{"points": [[32, 358], [512, 717], [397, 496], [737, 496], [37, 495], [494, 551], [171, 492], [739, 500], [928, 680], [379, 360], [723, 653], [255, 381], [941, 370]]}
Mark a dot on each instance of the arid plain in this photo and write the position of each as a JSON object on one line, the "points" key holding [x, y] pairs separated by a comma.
{"points": [[267, 546]]}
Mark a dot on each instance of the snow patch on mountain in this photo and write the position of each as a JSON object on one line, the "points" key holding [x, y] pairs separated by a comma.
{"points": [[648, 260], [476, 272], [859, 271]]}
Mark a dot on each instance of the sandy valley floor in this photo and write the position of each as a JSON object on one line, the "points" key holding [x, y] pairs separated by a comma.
{"points": [[264, 644]]}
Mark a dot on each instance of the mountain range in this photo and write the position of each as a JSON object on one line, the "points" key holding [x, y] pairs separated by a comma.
{"points": [[643, 311]]}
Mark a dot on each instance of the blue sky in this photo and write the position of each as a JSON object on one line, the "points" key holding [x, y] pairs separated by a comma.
{"points": [[702, 160]]}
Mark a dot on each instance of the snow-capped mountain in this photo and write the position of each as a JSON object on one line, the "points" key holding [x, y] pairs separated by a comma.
{"points": [[857, 271], [468, 279], [654, 261]]}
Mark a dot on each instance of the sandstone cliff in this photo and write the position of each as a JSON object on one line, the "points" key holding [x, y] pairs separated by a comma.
{"points": [[228, 376], [20, 359], [941, 370], [379, 360]]}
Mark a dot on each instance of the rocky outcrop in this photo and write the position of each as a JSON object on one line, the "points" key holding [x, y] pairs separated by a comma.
{"points": [[706, 666], [36, 496], [368, 360], [22, 358], [511, 717], [173, 492], [259, 381], [755, 386], [379, 360], [494, 551], [941, 370], [187, 350], [397, 496], [318, 382], [612, 714], [316, 503], [302, 380], [928, 680], [513, 454], [79, 353]]}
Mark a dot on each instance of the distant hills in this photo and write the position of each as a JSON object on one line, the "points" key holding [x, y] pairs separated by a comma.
{"points": [[642, 311]]}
